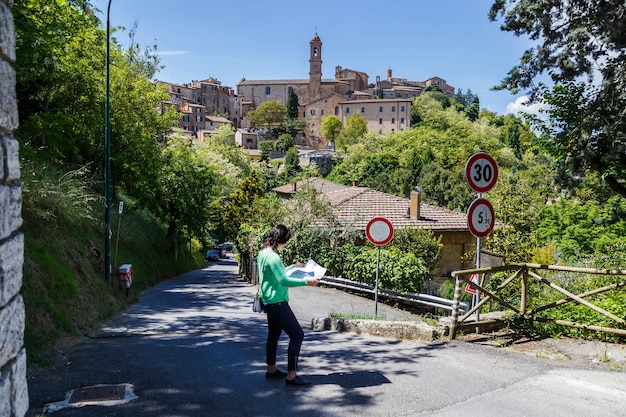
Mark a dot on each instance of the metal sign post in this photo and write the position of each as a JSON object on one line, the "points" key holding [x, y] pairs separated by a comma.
{"points": [[379, 231], [481, 173], [120, 210]]}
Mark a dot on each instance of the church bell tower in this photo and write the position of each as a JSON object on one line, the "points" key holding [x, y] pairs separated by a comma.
{"points": [[315, 67]]}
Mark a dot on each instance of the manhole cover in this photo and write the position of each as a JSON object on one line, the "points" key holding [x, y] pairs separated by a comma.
{"points": [[98, 393]]}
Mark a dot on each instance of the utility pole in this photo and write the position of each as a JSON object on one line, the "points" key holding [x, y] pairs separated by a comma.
{"points": [[107, 158]]}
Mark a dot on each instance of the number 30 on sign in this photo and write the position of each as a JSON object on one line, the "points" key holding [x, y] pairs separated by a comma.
{"points": [[480, 217], [481, 172]]}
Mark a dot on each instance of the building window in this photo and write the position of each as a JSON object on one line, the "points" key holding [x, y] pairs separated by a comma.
{"points": [[402, 120], [267, 90], [248, 140], [347, 110], [380, 109], [185, 118], [390, 94], [362, 109], [198, 109], [289, 90], [313, 112], [380, 121], [393, 109], [198, 118], [304, 114], [323, 112], [336, 110], [401, 108], [393, 120]]}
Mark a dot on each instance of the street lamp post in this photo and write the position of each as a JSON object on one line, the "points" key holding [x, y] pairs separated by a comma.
{"points": [[107, 159]]}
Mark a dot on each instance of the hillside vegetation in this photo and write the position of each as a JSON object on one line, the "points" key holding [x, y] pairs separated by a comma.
{"points": [[65, 288]]}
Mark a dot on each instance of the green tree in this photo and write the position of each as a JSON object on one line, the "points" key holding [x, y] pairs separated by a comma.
{"points": [[266, 146], [473, 110], [240, 207], [292, 105], [60, 87], [268, 114], [284, 142], [356, 128], [576, 39], [59, 79], [292, 162], [331, 128], [187, 191]]}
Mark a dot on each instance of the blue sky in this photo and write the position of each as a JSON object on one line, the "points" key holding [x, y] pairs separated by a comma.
{"points": [[417, 39]]}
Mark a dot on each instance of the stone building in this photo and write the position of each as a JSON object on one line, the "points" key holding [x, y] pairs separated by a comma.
{"points": [[201, 103], [13, 386], [319, 97]]}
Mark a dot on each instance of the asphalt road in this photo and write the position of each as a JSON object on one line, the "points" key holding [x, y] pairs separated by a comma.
{"points": [[193, 347]]}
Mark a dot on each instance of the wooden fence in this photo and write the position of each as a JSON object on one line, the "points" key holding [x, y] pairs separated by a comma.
{"points": [[525, 274]]}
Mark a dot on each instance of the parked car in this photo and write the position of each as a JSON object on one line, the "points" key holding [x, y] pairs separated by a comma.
{"points": [[212, 255]]}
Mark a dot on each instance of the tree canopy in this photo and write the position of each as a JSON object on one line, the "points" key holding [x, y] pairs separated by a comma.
{"points": [[331, 128], [581, 46], [268, 114]]}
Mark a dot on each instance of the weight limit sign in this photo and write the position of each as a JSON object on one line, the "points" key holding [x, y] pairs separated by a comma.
{"points": [[480, 217]]}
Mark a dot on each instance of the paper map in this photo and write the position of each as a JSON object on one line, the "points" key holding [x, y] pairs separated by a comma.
{"points": [[310, 269]]}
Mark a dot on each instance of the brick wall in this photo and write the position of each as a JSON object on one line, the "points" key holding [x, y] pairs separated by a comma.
{"points": [[13, 388]]}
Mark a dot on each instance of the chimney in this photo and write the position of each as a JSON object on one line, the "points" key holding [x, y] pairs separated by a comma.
{"points": [[414, 207], [355, 183]]}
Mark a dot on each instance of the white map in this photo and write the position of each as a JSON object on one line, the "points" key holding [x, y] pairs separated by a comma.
{"points": [[310, 269]]}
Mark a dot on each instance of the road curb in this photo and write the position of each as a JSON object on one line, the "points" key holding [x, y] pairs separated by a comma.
{"points": [[401, 330]]}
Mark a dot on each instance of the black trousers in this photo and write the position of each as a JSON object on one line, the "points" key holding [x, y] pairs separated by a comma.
{"points": [[280, 318]]}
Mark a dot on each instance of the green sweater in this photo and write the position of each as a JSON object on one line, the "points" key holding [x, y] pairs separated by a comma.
{"points": [[273, 279]]}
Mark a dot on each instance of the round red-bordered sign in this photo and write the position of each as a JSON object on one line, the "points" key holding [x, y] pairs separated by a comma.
{"points": [[379, 231], [481, 172], [480, 217]]}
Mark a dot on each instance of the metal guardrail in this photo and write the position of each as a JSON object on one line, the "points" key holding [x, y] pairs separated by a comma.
{"points": [[412, 299], [248, 270]]}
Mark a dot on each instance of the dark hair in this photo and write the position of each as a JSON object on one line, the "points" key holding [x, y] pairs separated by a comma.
{"points": [[279, 234]]}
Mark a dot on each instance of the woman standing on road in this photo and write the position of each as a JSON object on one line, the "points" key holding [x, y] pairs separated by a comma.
{"points": [[273, 283]]}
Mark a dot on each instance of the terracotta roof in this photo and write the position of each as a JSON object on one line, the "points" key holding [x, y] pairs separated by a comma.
{"points": [[219, 119], [273, 82], [356, 206], [320, 185]]}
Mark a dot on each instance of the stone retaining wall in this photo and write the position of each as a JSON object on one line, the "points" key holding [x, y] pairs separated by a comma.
{"points": [[401, 330], [13, 387]]}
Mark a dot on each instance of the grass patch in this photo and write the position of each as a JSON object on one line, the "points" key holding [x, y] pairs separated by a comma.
{"points": [[355, 316]]}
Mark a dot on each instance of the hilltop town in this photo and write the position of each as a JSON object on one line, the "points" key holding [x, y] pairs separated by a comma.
{"points": [[385, 104]]}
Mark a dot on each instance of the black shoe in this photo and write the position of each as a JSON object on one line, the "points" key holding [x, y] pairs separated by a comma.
{"points": [[276, 374], [298, 382]]}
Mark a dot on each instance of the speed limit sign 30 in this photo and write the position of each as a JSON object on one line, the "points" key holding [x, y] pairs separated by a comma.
{"points": [[481, 172]]}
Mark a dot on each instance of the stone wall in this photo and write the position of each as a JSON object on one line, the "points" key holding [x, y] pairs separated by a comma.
{"points": [[13, 388]]}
